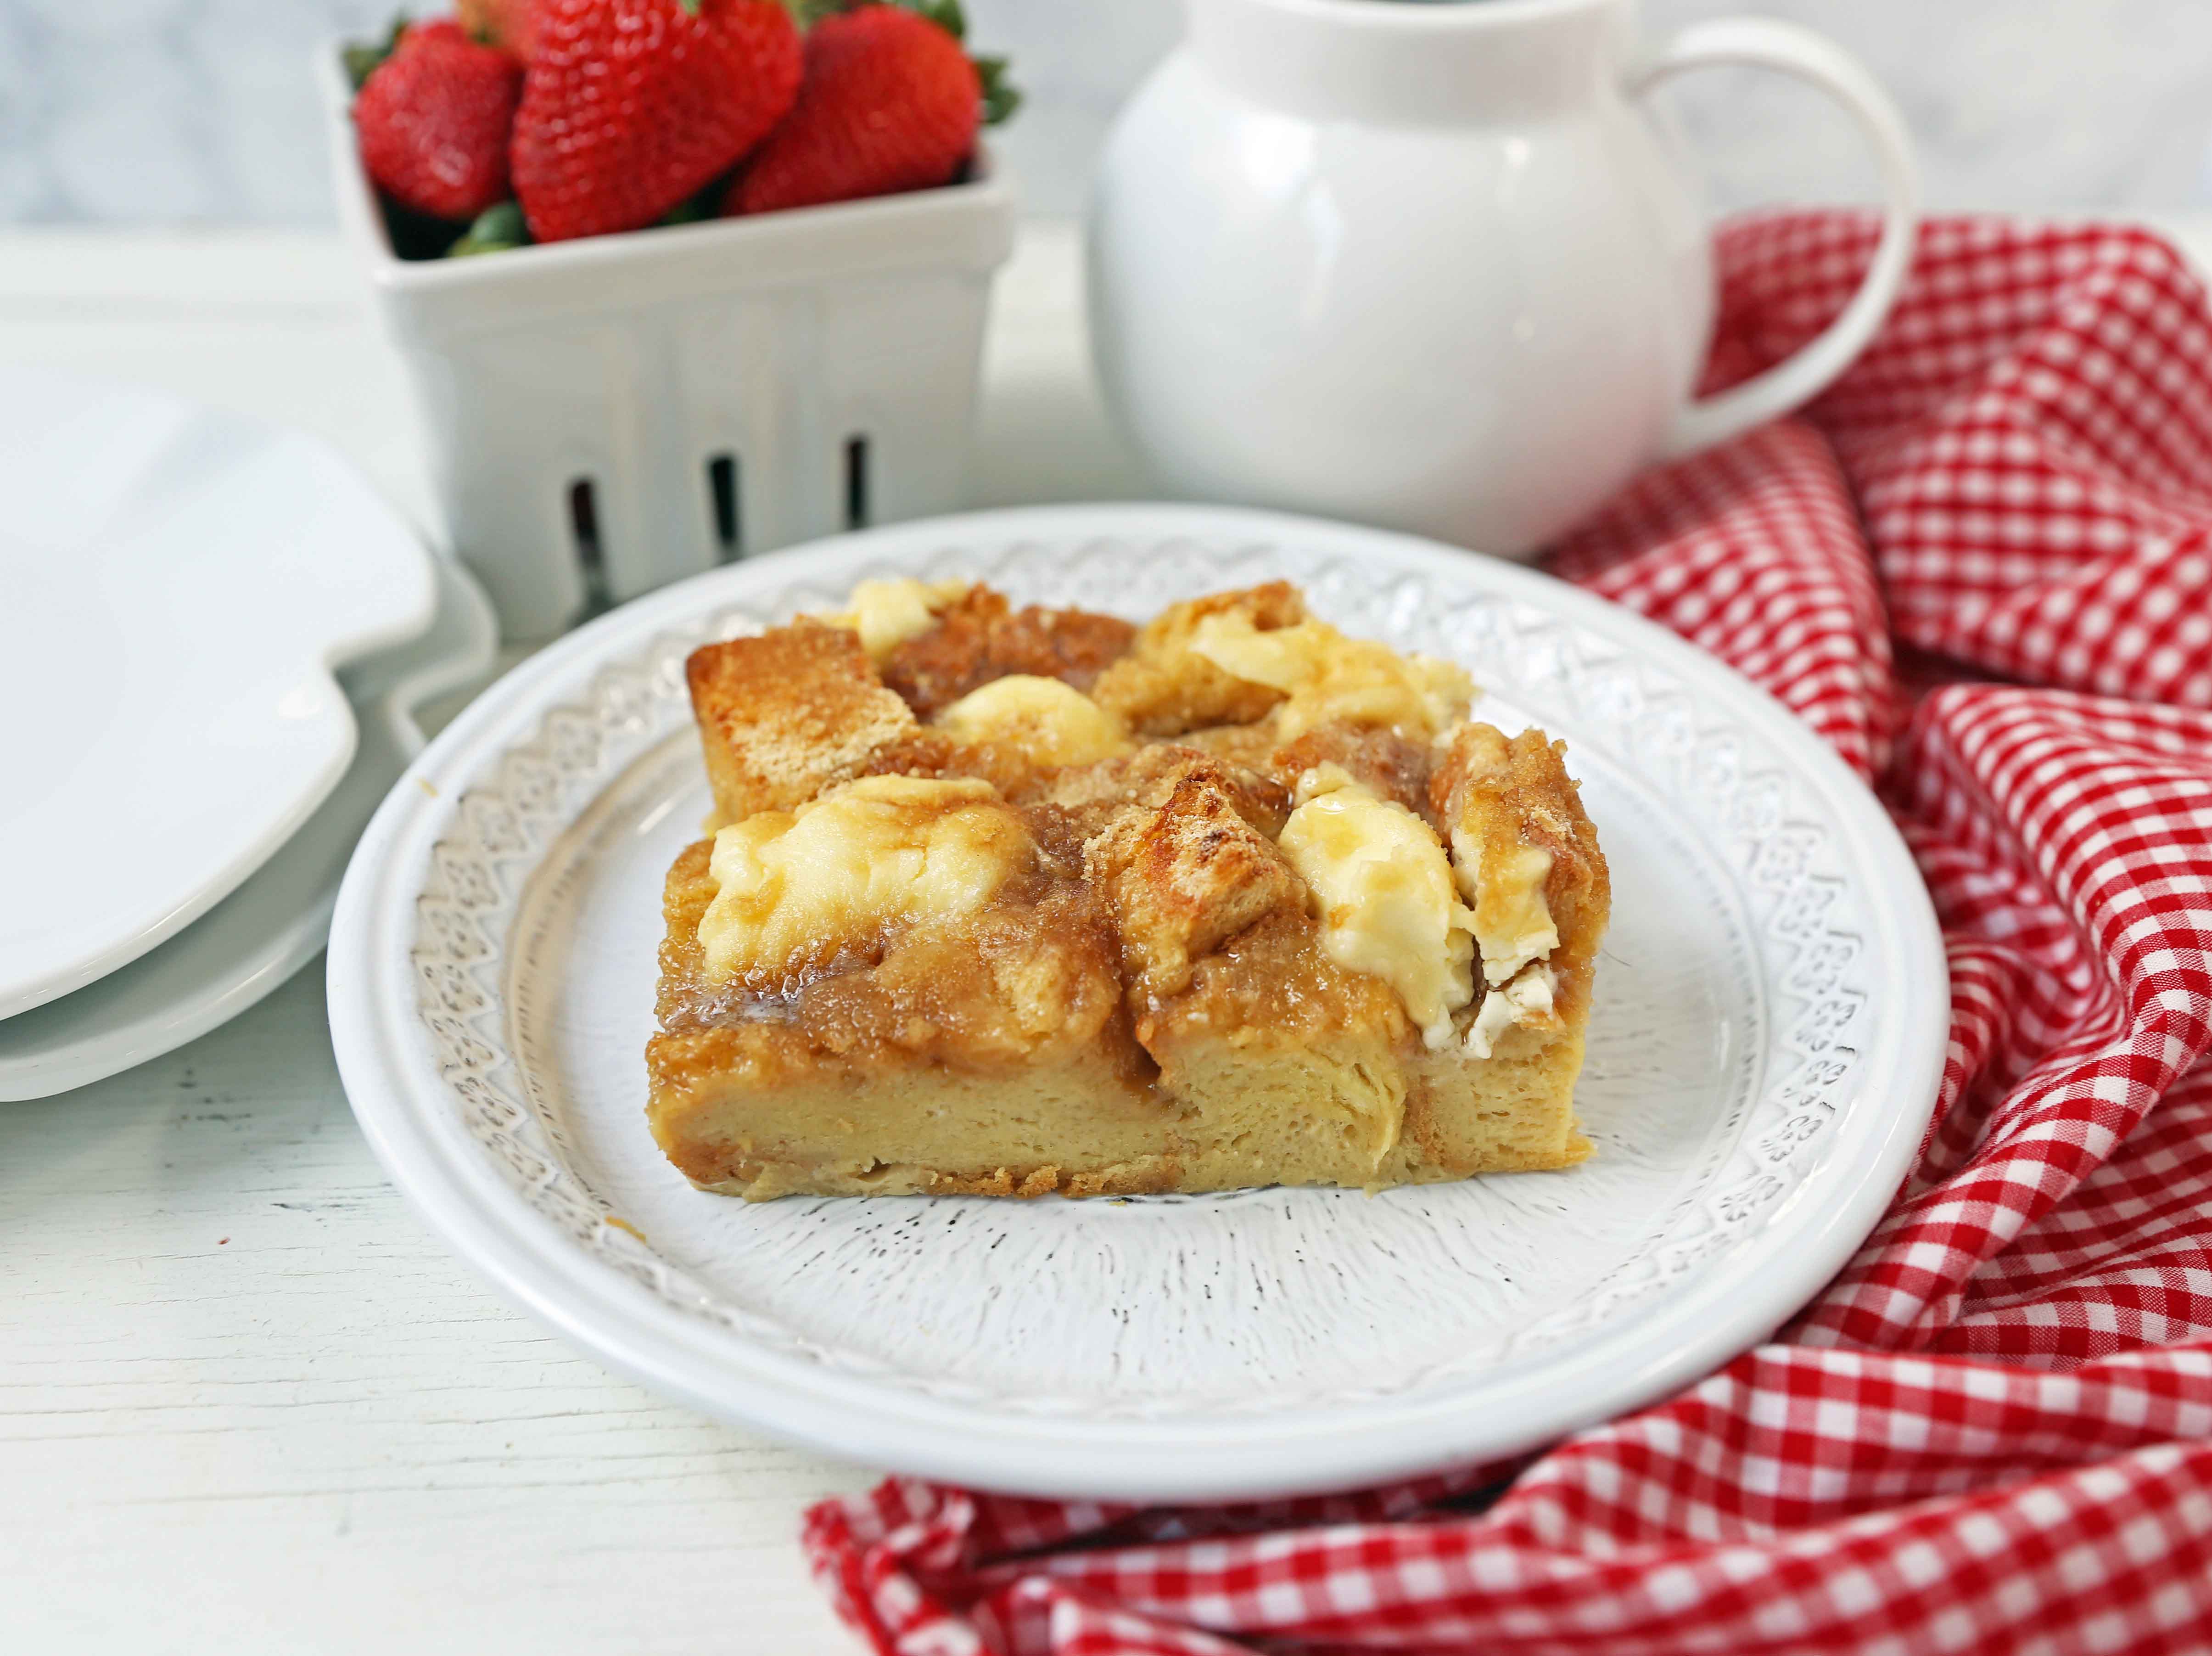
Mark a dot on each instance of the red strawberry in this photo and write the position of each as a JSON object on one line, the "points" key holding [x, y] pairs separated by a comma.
{"points": [[631, 106], [889, 102], [433, 119], [509, 23]]}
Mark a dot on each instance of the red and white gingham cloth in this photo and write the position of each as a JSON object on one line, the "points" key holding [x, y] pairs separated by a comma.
{"points": [[1981, 566]]}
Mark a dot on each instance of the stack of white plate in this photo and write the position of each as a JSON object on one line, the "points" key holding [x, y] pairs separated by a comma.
{"points": [[214, 639]]}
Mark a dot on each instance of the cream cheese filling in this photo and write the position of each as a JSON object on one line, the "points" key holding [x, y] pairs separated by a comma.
{"points": [[1047, 722], [886, 613], [1382, 888], [1325, 676], [802, 884], [1527, 999]]}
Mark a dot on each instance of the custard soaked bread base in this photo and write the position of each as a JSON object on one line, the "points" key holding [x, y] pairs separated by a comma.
{"points": [[1137, 991]]}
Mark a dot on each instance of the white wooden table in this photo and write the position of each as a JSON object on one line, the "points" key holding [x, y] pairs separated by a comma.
{"points": [[247, 1403]]}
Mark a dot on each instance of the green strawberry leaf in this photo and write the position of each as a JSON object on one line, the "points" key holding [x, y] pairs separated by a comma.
{"points": [[360, 58], [946, 15], [694, 209], [1001, 96], [496, 229]]}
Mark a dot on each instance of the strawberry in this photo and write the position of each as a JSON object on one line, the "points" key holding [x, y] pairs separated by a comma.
{"points": [[631, 105], [889, 102], [433, 119], [509, 23]]}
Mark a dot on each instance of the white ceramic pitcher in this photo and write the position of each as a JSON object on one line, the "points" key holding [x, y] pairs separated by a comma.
{"points": [[1431, 265]]}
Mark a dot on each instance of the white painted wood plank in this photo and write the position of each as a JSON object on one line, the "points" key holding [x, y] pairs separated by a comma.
{"points": [[54, 270], [324, 371], [248, 1404]]}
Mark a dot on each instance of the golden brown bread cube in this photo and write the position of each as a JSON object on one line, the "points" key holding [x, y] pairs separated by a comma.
{"points": [[1184, 868], [1163, 686], [784, 714], [979, 638]]}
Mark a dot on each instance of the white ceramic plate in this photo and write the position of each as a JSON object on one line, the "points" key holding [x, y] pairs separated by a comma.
{"points": [[179, 583], [1767, 1036], [272, 924]]}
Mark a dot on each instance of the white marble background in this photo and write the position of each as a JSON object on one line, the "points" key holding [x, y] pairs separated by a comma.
{"points": [[200, 111]]}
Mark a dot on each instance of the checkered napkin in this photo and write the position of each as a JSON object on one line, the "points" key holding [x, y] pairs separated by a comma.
{"points": [[1981, 566]]}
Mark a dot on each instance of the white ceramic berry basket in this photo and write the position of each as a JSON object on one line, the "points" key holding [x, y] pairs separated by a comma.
{"points": [[609, 415]]}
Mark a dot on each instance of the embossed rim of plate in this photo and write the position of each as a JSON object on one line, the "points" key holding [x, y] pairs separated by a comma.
{"points": [[405, 1105]]}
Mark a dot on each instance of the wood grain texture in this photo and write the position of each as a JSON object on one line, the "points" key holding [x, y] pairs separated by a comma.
{"points": [[248, 1403]]}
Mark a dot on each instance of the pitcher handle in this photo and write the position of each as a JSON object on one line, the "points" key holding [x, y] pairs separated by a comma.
{"points": [[1762, 43]]}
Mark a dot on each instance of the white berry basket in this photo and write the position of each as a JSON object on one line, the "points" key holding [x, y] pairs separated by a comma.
{"points": [[608, 415]]}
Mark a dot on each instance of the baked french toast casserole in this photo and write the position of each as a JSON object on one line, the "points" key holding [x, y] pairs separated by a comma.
{"points": [[1014, 901]]}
